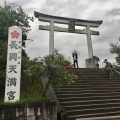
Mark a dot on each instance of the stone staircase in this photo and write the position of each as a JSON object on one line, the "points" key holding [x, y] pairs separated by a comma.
{"points": [[91, 95]]}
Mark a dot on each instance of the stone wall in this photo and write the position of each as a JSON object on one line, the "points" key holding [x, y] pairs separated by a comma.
{"points": [[29, 111]]}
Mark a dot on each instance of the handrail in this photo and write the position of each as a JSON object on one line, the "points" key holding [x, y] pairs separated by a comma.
{"points": [[116, 71]]}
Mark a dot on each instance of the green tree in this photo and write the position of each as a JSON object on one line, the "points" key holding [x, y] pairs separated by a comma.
{"points": [[3, 59], [13, 17], [56, 72], [31, 83], [51, 67], [115, 49]]}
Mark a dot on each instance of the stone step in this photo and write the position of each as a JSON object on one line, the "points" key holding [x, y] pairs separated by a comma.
{"points": [[91, 72], [87, 69], [97, 78], [79, 88], [117, 117], [92, 83], [91, 106], [93, 111], [74, 117], [87, 102], [88, 91], [67, 99], [90, 95], [64, 95], [94, 80]]}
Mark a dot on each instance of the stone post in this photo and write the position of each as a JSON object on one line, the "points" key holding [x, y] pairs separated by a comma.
{"points": [[90, 61], [13, 69], [51, 40]]}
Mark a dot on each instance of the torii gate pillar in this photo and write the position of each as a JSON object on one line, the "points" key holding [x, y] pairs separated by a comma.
{"points": [[89, 42], [51, 40], [90, 61]]}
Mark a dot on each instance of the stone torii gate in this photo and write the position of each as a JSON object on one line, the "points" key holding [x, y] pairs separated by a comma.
{"points": [[71, 29]]}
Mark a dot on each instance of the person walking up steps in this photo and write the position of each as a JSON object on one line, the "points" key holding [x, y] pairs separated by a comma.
{"points": [[75, 59], [108, 69]]}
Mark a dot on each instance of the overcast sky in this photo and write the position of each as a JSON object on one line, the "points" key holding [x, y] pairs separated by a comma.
{"points": [[66, 43]]}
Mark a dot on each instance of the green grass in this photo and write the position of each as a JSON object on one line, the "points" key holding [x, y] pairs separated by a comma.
{"points": [[26, 100]]}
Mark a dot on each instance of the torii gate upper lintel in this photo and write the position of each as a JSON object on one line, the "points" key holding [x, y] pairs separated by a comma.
{"points": [[71, 22]]}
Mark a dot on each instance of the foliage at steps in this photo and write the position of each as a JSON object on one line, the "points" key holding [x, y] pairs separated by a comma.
{"points": [[51, 67], [27, 100], [33, 72]]}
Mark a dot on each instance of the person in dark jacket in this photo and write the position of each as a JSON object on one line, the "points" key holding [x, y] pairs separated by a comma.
{"points": [[108, 68], [75, 59]]}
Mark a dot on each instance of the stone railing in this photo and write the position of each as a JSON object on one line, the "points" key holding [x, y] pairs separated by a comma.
{"points": [[29, 111]]}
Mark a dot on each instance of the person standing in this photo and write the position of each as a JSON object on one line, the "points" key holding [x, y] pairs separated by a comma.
{"points": [[113, 66], [75, 59], [108, 69]]}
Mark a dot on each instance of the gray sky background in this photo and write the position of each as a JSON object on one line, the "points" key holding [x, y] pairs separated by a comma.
{"points": [[66, 43]]}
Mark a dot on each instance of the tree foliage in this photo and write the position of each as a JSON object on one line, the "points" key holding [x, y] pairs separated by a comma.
{"points": [[115, 49], [3, 60], [51, 67], [31, 84], [13, 17], [56, 72]]}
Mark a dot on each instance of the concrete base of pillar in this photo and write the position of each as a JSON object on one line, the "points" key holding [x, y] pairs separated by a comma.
{"points": [[90, 63]]}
